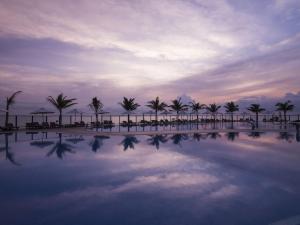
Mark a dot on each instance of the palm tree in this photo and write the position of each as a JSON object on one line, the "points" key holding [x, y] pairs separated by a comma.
{"points": [[156, 105], [129, 105], [178, 106], [96, 105], [231, 107], [213, 109], [255, 108], [61, 102], [284, 107], [196, 107], [9, 102]]}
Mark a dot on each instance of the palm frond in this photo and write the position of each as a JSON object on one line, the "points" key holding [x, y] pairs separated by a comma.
{"points": [[11, 99]]}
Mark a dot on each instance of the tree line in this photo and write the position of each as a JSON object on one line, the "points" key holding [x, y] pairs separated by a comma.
{"points": [[62, 102]]}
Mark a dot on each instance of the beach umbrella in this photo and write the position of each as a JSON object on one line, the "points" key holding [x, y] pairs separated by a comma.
{"points": [[149, 113], [75, 112], [42, 111], [101, 112], [166, 113]]}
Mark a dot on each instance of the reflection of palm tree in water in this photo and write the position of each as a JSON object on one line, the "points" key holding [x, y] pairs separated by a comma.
{"points": [[285, 136], [9, 155], [61, 148], [214, 135], [298, 133], [255, 134], [198, 136], [232, 135], [97, 143], [178, 138], [129, 141], [155, 140]]}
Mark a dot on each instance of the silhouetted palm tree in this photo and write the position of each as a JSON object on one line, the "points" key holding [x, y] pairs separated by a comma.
{"points": [[231, 107], [157, 106], [97, 143], [129, 141], [61, 102], [155, 140], [178, 106], [213, 109], [284, 107], [96, 105], [60, 148], [196, 107], [255, 108], [9, 102], [129, 105]]}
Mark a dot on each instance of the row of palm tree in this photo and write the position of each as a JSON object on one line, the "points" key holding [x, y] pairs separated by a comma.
{"points": [[62, 102]]}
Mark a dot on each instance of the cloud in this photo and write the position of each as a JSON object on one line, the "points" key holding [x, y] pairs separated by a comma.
{"points": [[211, 50], [270, 75]]}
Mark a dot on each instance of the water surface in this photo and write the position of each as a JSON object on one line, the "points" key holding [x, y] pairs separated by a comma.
{"points": [[213, 178]]}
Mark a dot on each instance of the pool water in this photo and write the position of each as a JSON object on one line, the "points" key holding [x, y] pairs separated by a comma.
{"points": [[213, 178]]}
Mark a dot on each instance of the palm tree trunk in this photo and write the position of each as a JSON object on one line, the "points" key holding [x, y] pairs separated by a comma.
{"points": [[284, 114], [197, 118], [128, 119], [156, 121], [231, 120], [60, 118], [97, 120], [256, 120]]}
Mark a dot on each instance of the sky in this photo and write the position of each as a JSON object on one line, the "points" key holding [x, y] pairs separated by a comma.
{"points": [[210, 51]]}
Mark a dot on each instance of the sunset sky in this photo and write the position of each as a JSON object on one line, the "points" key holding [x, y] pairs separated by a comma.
{"points": [[210, 50]]}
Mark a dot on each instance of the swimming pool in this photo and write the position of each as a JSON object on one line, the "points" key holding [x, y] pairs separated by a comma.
{"points": [[208, 178]]}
